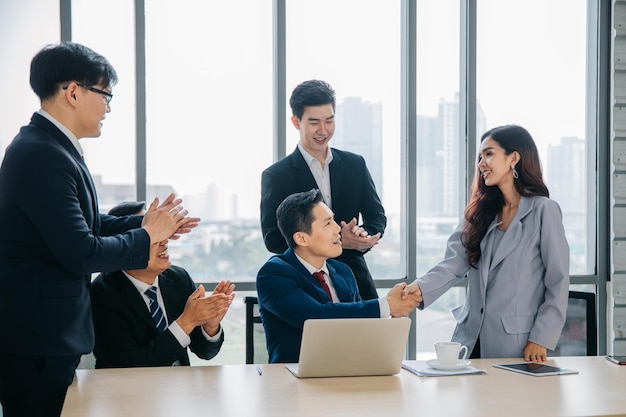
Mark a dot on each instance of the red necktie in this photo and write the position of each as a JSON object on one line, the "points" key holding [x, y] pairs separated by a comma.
{"points": [[319, 275]]}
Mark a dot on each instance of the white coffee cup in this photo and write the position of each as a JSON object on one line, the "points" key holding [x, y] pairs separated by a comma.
{"points": [[448, 353]]}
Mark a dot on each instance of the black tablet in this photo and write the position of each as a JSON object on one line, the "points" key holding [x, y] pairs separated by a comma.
{"points": [[620, 360], [535, 369]]}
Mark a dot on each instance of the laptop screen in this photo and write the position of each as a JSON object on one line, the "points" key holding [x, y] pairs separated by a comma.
{"points": [[352, 347]]}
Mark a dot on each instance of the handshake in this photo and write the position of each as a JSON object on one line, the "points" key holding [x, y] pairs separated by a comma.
{"points": [[403, 299]]}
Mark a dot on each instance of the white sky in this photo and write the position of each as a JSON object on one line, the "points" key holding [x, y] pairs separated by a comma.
{"points": [[209, 76]]}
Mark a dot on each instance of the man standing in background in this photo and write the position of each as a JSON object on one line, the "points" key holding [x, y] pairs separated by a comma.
{"points": [[342, 177]]}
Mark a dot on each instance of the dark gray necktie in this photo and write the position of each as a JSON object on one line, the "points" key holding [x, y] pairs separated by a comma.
{"points": [[157, 314]]}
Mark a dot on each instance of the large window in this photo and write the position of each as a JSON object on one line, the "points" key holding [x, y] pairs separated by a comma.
{"points": [[25, 27], [111, 157], [537, 79], [209, 129], [211, 84], [439, 156], [362, 63]]}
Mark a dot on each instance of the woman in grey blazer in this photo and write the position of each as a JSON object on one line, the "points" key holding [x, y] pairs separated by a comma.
{"points": [[512, 247]]}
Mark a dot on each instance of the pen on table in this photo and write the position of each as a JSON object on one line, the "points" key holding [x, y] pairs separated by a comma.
{"points": [[258, 369]]}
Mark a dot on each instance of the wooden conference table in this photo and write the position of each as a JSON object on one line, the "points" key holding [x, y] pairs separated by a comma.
{"points": [[239, 390]]}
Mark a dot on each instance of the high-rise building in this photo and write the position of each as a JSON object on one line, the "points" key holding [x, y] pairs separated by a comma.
{"points": [[448, 119], [359, 129], [439, 162], [429, 175], [566, 161]]}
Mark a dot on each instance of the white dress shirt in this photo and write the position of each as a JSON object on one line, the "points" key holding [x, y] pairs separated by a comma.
{"points": [[182, 337], [321, 175]]}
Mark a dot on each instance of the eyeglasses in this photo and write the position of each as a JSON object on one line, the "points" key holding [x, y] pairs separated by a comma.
{"points": [[108, 96]]}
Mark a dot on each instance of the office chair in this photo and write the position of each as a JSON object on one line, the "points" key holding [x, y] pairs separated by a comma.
{"points": [[252, 318], [579, 336]]}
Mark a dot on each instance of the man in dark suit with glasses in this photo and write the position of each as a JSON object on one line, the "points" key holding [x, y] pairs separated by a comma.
{"points": [[53, 236]]}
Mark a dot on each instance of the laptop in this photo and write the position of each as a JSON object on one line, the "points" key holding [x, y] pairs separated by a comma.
{"points": [[351, 347]]}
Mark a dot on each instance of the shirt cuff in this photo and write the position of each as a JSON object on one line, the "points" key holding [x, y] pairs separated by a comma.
{"points": [[182, 337], [215, 338], [383, 305]]}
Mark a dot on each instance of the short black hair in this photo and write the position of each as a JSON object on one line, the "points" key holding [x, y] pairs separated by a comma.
{"points": [[311, 93], [61, 63], [295, 214], [127, 208]]}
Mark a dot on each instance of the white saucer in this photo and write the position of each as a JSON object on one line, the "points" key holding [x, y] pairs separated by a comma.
{"points": [[462, 364]]}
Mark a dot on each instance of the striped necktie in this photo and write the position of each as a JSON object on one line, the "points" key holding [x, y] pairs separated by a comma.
{"points": [[157, 314]]}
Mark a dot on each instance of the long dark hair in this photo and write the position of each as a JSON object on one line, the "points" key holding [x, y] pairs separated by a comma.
{"points": [[486, 202]]}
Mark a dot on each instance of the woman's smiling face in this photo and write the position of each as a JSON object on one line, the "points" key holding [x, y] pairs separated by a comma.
{"points": [[494, 164]]}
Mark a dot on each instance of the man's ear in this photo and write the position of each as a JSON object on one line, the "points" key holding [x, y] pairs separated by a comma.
{"points": [[295, 122], [300, 238], [70, 93]]}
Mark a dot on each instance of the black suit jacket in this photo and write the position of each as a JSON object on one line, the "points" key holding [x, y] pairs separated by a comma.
{"points": [[125, 333], [352, 191], [52, 238]]}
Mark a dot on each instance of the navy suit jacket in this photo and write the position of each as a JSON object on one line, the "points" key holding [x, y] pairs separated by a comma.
{"points": [[52, 238], [125, 332], [352, 191], [289, 295]]}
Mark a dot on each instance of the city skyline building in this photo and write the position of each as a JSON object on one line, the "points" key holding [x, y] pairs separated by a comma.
{"points": [[439, 165], [564, 162], [359, 129], [439, 176]]}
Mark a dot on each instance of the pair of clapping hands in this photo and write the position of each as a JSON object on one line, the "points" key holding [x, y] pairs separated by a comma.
{"points": [[355, 237], [167, 220], [207, 310]]}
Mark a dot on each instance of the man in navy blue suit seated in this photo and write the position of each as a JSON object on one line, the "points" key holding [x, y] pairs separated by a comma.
{"points": [[289, 291]]}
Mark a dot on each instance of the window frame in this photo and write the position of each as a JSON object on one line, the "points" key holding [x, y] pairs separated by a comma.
{"points": [[597, 113]]}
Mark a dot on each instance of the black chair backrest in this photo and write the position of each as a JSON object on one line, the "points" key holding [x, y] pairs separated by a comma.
{"points": [[252, 318], [579, 336]]}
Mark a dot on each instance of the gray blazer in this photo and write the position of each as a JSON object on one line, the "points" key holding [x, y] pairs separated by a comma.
{"points": [[519, 290]]}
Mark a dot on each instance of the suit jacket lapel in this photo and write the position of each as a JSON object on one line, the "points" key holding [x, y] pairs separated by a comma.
{"points": [[336, 177], [49, 127], [66, 144], [128, 292], [341, 288], [315, 286], [302, 171], [173, 305], [486, 246], [513, 234], [95, 227]]}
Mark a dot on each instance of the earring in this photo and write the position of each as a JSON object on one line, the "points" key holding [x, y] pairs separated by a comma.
{"points": [[515, 174]]}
